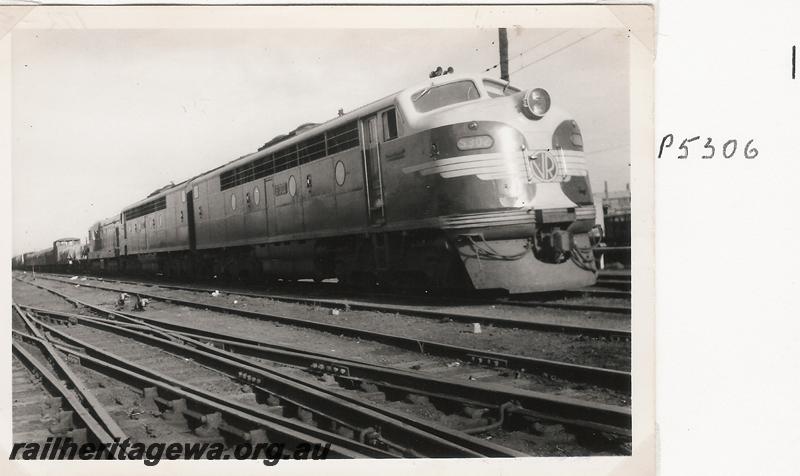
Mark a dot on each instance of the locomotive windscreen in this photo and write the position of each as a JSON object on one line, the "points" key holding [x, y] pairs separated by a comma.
{"points": [[435, 97]]}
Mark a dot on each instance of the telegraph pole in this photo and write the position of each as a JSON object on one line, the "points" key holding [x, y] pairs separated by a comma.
{"points": [[503, 54]]}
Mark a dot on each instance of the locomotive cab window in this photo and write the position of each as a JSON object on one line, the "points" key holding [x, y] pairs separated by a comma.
{"points": [[389, 124], [434, 97]]}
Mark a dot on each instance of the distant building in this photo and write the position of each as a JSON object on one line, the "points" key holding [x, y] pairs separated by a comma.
{"points": [[614, 202]]}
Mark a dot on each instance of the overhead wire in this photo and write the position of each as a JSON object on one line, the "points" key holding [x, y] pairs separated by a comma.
{"points": [[558, 50], [517, 56]]}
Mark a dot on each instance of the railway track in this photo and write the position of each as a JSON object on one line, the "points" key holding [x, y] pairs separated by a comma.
{"points": [[87, 418], [151, 405], [591, 291], [538, 301], [505, 410], [79, 410], [44, 408], [295, 413], [613, 379], [619, 280], [416, 311], [489, 399]]}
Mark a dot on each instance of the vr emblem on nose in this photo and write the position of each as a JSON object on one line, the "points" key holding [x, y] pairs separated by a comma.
{"points": [[544, 167]]}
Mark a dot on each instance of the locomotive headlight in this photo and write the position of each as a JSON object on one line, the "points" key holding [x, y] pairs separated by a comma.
{"points": [[474, 142], [536, 103]]}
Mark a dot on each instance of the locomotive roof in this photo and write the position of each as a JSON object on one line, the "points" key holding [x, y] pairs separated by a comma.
{"points": [[153, 196], [300, 136], [106, 221], [310, 132], [374, 106]]}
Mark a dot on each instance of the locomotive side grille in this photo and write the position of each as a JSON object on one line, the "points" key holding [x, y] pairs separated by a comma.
{"points": [[342, 138], [285, 159], [146, 208], [311, 149], [335, 140]]}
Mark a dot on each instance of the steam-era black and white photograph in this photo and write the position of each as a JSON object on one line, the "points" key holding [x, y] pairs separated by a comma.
{"points": [[291, 241]]}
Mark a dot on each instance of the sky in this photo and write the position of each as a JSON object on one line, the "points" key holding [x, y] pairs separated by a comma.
{"points": [[101, 118]]}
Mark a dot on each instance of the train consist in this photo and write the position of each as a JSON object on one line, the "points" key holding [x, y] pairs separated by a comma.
{"points": [[65, 253], [462, 181]]}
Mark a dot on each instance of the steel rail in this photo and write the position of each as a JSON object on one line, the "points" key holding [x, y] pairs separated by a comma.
{"points": [[302, 395], [574, 307], [615, 379], [93, 405], [579, 292], [479, 445], [199, 405], [418, 312], [579, 413], [280, 423], [92, 426], [615, 283], [622, 274]]}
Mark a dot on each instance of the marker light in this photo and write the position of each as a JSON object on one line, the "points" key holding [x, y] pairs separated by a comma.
{"points": [[474, 142], [536, 103]]}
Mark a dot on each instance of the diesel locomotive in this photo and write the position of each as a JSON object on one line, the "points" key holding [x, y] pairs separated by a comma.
{"points": [[461, 181]]}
